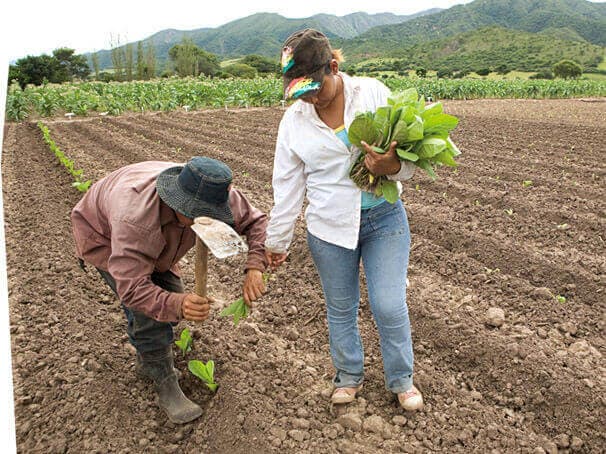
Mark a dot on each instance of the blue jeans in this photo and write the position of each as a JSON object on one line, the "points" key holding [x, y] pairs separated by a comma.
{"points": [[145, 333], [383, 246]]}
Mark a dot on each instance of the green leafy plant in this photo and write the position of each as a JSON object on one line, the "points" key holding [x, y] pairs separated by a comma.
{"points": [[17, 107], [205, 372], [239, 309], [185, 342], [508, 211], [527, 183], [80, 185], [421, 132], [561, 299]]}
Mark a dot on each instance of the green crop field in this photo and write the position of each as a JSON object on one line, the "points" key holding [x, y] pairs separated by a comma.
{"points": [[195, 93]]}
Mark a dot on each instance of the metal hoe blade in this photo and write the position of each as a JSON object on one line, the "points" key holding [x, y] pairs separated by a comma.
{"points": [[220, 238]]}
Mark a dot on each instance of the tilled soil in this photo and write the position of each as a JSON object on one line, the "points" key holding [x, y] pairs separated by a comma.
{"points": [[481, 239]]}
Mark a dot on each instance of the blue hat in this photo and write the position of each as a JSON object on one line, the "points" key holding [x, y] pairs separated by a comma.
{"points": [[200, 188]]}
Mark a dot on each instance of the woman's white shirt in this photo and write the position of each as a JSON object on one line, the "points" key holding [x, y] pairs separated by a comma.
{"points": [[310, 157]]}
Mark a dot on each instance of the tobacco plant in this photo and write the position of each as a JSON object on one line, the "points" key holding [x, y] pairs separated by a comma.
{"points": [[239, 309], [185, 342], [205, 372]]}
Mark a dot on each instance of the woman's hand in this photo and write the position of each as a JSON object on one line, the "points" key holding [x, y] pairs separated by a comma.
{"points": [[275, 259], [382, 164], [253, 287]]}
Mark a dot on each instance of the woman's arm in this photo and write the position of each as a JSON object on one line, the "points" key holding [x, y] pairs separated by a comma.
{"points": [[289, 190]]}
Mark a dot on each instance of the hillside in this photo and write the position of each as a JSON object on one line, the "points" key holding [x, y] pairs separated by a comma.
{"points": [[491, 47], [584, 19], [263, 33], [522, 34]]}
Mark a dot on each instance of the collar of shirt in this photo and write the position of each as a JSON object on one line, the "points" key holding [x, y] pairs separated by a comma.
{"points": [[351, 89]]}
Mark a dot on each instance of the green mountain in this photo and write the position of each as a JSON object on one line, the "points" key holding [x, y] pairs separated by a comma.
{"points": [[522, 34], [582, 18], [491, 47], [263, 33]]}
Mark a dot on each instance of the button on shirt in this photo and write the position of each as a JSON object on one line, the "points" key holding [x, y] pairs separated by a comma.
{"points": [[122, 226], [311, 159]]}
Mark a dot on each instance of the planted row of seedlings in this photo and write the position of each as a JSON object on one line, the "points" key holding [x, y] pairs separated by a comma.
{"points": [[206, 371], [78, 183]]}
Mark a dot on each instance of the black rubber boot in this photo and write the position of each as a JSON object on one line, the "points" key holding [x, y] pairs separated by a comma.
{"points": [[158, 366], [145, 372]]}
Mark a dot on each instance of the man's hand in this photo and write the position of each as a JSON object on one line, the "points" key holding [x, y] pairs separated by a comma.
{"points": [[275, 259], [253, 287], [382, 164], [196, 308]]}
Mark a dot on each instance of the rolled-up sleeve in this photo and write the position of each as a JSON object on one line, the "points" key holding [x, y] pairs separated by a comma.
{"points": [[289, 191], [252, 223], [131, 264], [407, 170]]}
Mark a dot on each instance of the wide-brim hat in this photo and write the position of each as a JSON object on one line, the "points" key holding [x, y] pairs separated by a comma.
{"points": [[198, 188], [305, 56]]}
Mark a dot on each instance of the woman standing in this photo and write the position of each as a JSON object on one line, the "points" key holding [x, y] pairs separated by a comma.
{"points": [[344, 224]]}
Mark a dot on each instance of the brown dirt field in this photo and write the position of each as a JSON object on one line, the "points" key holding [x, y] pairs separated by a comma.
{"points": [[536, 384]]}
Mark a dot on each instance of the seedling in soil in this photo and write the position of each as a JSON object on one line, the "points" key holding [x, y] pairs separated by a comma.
{"points": [[561, 299], [492, 271], [563, 226], [239, 309], [418, 187], [509, 212], [82, 186], [185, 342], [527, 183], [205, 372]]}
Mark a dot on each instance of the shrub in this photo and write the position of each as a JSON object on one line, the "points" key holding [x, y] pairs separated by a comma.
{"points": [[502, 69], [444, 73], [241, 70], [567, 69], [545, 74]]}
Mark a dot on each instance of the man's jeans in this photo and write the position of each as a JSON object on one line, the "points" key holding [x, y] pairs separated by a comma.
{"points": [[384, 246], [145, 333]]}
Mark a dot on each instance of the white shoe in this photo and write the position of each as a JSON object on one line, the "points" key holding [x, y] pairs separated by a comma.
{"points": [[411, 400], [344, 395]]}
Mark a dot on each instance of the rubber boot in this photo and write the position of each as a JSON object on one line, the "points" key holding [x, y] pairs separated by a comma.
{"points": [[158, 366], [145, 373]]}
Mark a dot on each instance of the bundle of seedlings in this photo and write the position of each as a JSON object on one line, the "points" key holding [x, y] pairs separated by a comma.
{"points": [[421, 131]]}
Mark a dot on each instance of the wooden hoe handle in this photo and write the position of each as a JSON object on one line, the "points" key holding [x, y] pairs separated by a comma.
{"points": [[201, 267]]}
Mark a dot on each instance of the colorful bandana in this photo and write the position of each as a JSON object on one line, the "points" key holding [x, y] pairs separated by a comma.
{"points": [[287, 59], [300, 86]]}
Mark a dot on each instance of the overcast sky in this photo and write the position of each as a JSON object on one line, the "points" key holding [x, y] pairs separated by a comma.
{"points": [[36, 27]]}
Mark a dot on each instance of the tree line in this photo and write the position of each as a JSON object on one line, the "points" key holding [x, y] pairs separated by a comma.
{"points": [[188, 59], [564, 69], [185, 59]]}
